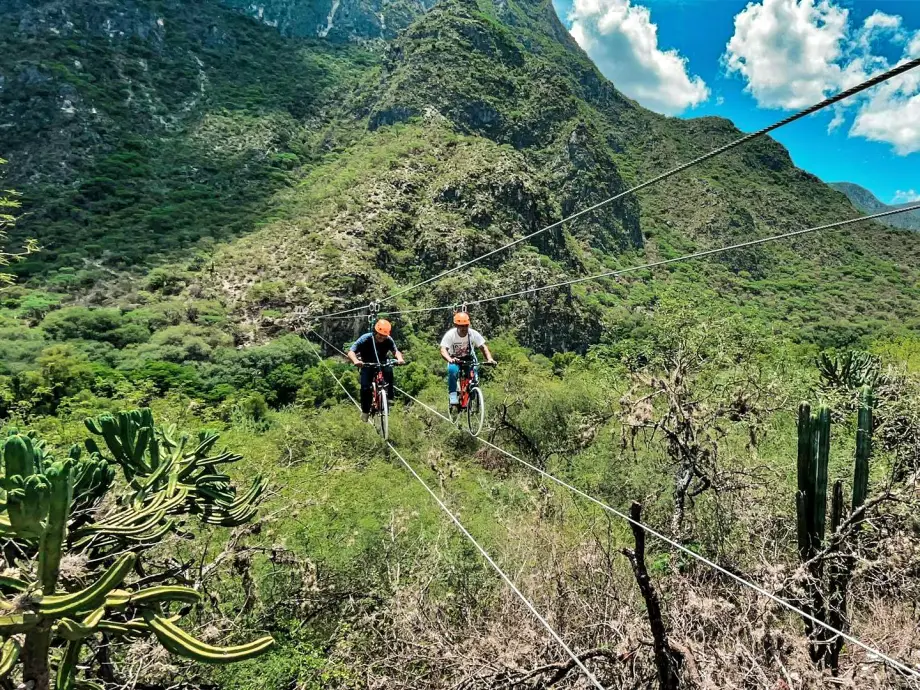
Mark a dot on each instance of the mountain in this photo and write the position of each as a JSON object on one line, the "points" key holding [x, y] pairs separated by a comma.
{"points": [[142, 130], [867, 202], [336, 20]]}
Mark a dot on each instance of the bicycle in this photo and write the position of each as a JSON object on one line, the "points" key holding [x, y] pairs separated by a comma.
{"points": [[380, 411], [470, 397]]}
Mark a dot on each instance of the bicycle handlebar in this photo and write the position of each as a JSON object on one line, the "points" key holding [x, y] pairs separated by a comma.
{"points": [[382, 365]]}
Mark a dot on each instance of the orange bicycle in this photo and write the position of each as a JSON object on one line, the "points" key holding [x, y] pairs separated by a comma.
{"points": [[470, 397]]}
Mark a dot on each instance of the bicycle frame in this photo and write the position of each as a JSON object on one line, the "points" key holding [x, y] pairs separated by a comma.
{"points": [[379, 382], [469, 378]]}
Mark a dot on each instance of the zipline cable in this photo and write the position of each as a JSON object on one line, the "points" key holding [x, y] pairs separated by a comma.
{"points": [[843, 95], [665, 262], [649, 530], [463, 529], [683, 549]]}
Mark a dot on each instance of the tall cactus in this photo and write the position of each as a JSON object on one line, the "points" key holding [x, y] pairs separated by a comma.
{"points": [[863, 448], [814, 441], [53, 508]]}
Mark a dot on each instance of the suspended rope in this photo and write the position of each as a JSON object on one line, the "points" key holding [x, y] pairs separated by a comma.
{"points": [[843, 95], [575, 658], [894, 663], [683, 549]]}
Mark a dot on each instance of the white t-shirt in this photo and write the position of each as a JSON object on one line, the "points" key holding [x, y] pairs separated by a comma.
{"points": [[460, 347]]}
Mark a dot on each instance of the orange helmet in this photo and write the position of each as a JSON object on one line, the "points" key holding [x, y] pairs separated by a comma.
{"points": [[383, 327], [461, 318]]}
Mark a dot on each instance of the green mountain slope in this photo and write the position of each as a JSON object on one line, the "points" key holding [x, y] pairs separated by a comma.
{"points": [[159, 131], [529, 112], [335, 20], [139, 129], [867, 202]]}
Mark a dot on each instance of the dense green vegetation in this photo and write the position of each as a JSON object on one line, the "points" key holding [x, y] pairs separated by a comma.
{"points": [[194, 179]]}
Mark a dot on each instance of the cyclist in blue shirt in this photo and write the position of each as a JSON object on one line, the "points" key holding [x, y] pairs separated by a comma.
{"points": [[374, 348]]}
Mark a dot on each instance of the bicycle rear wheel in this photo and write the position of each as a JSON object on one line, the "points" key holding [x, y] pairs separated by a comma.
{"points": [[382, 419], [476, 411]]}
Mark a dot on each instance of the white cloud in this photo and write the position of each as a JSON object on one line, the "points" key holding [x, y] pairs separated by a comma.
{"points": [[905, 197], [794, 53], [891, 115], [622, 40], [787, 50]]}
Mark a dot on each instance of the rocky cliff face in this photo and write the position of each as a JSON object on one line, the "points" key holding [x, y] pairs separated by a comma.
{"points": [[335, 20]]}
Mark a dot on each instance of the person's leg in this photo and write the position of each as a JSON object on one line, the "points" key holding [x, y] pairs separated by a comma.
{"points": [[388, 377], [453, 375], [367, 392]]}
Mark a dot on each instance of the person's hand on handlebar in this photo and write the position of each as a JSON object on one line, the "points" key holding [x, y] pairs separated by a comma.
{"points": [[491, 362], [358, 363]]}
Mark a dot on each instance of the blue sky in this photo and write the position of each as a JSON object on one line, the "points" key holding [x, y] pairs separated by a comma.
{"points": [[783, 55]]}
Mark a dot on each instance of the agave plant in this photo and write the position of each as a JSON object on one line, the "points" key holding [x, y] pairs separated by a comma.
{"points": [[52, 508]]}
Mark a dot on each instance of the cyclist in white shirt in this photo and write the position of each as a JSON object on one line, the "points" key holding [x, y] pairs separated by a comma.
{"points": [[457, 349]]}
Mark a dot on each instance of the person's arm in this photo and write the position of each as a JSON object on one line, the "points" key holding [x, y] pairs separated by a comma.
{"points": [[352, 355], [445, 348], [397, 353], [481, 343]]}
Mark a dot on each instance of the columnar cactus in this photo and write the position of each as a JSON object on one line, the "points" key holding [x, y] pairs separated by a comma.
{"points": [[52, 508], [814, 435]]}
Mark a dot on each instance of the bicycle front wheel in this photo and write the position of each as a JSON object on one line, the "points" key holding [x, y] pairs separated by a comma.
{"points": [[476, 411], [382, 421]]}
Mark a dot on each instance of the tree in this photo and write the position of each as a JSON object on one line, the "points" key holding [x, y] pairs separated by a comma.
{"points": [[8, 204], [72, 514], [697, 381]]}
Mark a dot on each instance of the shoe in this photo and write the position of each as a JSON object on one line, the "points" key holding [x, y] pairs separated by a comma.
{"points": [[365, 417]]}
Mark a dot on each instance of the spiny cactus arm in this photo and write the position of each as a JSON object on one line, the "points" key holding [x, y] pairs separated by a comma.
{"points": [[223, 519], [9, 655], [837, 506], [177, 641], [206, 441], [220, 495], [91, 597], [52, 542], [123, 527], [805, 476], [802, 512], [13, 623], [863, 448], [822, 457], [67, 667], [249, 498], [12, 585], [72, 630], [93, 477], [18, 456], [135, 627], [152, 482], [28, 500], [158, 595]]}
